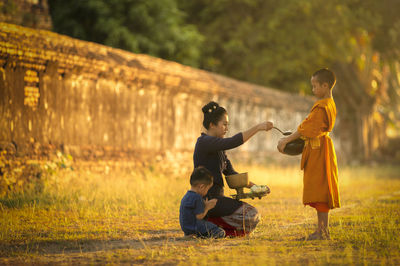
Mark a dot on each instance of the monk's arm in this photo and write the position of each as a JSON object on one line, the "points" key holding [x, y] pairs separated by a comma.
{"points": [[293, 136], [313, 126], [285, 140]]}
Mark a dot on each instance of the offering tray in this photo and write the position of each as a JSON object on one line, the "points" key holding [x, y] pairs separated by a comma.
{"points": [[241, 195]]}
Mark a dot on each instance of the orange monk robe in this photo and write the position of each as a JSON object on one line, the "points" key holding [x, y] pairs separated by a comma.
{"points": [[319, 158]]}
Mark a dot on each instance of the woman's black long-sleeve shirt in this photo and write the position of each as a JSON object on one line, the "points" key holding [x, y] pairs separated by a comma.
{"points": [[210, 153]]}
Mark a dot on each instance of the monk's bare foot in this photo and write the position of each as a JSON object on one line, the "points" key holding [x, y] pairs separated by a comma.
{"points": [[320, 235], [325, 234], [315, 236]]}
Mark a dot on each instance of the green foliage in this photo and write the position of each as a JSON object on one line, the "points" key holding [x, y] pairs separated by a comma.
{"points": [[8, 7], [280, 43], [269, 42], [153, 27]]}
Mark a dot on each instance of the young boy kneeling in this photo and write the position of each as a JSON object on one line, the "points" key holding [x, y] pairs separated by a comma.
{"points": [[193, 208]]}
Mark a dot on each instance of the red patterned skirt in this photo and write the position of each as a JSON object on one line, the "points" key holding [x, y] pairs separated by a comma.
{"points": [[240, 223]]}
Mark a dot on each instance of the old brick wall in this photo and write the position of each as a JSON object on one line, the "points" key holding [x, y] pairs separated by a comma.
{"points": [[91, 100]]}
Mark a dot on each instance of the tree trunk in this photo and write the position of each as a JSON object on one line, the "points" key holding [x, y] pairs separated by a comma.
{"points": [[361, 127]]}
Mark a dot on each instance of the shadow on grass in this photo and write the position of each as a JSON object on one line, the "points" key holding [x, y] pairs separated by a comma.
{"points": [[154, 238]]}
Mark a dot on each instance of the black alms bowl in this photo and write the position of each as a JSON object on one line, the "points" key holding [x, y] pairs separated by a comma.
{"points": [[295, 147]]}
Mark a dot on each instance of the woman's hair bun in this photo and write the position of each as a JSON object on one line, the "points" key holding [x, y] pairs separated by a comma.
{"points": [[212, 113], [210, 107]]}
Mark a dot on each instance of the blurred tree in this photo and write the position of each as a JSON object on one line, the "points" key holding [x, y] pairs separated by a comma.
{"points": [[281, 43], [154, 27], [262, 41], [368, 84]]}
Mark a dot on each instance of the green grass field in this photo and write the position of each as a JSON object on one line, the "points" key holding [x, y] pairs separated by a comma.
{"points": [[117, 215]]}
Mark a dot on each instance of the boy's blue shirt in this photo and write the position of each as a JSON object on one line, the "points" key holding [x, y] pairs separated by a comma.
{"points": [[191, 205]]}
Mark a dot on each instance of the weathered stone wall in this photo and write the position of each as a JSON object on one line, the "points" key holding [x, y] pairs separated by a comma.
{"points": [[93, 101]]}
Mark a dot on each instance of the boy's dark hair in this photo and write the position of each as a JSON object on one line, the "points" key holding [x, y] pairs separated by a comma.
{"points": [[325, 75], [212, 114], [201, 175]]}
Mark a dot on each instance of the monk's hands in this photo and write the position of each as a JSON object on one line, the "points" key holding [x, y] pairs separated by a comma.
{"points": [[209, 204], [285, 140], [282, 144], [267, 125]]}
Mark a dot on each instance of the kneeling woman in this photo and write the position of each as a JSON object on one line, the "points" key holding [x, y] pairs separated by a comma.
{"points": [[235, 217]]}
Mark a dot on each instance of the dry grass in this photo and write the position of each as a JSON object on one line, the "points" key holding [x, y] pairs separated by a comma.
{"points": [[122, 215]]}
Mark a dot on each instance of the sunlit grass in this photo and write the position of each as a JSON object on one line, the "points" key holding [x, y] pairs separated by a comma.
{"points": [[130, 215]]}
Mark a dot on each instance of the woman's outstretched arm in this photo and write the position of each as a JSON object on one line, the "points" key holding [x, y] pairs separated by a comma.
{"points": [[252, 131], [211, 143]]}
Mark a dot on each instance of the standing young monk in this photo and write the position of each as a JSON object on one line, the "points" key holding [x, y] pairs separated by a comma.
{"points": [[319, 158]]}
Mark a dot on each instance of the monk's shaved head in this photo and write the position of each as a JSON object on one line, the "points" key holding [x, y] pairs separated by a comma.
{"points": [[325, 75]]}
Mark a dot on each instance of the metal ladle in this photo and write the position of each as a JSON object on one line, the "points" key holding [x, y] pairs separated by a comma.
{"points": [[287, 133]]}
